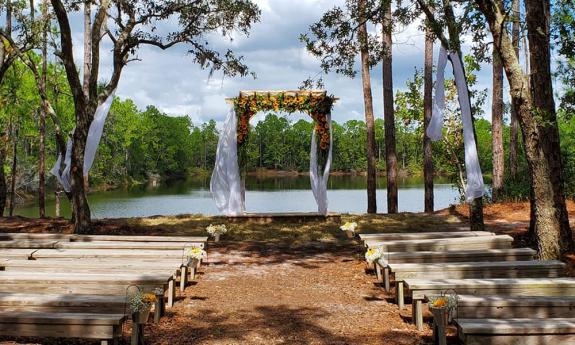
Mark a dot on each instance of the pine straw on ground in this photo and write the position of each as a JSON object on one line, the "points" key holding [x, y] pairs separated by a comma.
{"points": [[281, 283]]}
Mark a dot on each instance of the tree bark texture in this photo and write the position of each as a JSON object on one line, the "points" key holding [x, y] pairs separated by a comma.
{"points": [[14, 170], [3, 186], [42, 119], [497, 128], [538, 124], [428, 111], [388, 111], [369, 119], [514, 139]]}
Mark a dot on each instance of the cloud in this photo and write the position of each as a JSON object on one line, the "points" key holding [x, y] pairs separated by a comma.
{"points": [[171, 80]]}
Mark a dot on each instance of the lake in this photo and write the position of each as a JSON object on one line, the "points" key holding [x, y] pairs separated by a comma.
{"points": [[277, 194]]}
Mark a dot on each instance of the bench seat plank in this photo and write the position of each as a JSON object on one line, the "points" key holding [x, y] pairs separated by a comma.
{"points": [[63, 303], [69, 325], [124, 245], [506, 307], [395, 236], [459, 256], [25, 244], [89, 238], [444, 244], [106, 253], [517, 326]]}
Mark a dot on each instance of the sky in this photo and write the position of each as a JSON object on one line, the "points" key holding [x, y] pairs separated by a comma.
{"points": [[172, 82]]}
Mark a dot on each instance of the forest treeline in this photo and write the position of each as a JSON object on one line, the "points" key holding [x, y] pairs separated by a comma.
{"points": [[141, 143]]}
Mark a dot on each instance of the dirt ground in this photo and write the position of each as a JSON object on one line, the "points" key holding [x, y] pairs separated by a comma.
{"points": [[285, 283]]}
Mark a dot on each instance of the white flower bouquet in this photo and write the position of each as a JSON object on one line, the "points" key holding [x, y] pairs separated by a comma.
{"points": [[349, 228], [216, 231], [373, 254]]}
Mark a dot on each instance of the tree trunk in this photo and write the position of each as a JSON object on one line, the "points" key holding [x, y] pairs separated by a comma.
{"points": [[3, 187], [497, 128], [428, 110], [389, 116], [543, 108], [42, 120], [14, 170], [538, 124], [80, 207], [369, 120], [514, 140]]}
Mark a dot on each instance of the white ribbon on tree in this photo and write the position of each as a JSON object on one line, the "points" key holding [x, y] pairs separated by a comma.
{"points": [[317, 178], [475, 187], [225, 183], [92, 141]]}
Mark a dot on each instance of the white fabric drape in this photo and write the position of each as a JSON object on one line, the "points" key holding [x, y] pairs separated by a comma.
{"points": [[225, 183], [475, 187], [317, 178], [92, 141], [95, 132]]}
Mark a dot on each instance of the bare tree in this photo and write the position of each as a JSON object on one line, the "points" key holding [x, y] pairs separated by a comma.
{"points": [[130, 25]]}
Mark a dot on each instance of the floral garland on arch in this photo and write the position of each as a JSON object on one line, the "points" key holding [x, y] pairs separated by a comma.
{"points": [[316, 106]]}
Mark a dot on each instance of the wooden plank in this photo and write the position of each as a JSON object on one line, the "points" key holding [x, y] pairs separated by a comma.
{"points": [[396, 236], [506, 307], [89, 266], [460, 256], [83, 278], [557, 331], [63, 303], [494, 286], [517, 326], [125, 245], [445, 244], [504, 269], [106, 253], [16, 253], [24, 244], [69, 325], [91, 238]]}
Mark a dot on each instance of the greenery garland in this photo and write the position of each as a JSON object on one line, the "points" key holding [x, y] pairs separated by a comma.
{"points": [[317, 106]]}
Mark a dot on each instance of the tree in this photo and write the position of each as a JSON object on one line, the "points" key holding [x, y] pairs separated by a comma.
{"points": [[514, 142], [130, 25], [337, 39], [428, 110], [537, 117], [453, 43], [497, 127], [390, 152], [368, 105]]}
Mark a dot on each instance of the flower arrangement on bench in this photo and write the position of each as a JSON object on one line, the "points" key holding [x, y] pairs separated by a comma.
{"points": [[195, 255], [441, 307], [216, 231], [373, 255], [349, 228], [140, 306]]}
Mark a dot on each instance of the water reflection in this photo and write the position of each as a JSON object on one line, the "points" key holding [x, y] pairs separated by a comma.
{"points": [[278, 194]]}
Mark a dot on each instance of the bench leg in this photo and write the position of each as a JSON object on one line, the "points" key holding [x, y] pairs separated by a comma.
{"points": [[192, 272], [378, 272], [417, 314], [159, 307], [399, 294], [137, 337], [183, 278], [171, 293], [386, 282]]}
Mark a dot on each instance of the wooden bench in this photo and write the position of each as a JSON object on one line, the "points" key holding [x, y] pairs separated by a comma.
{"points": [[83, 283], [427, 257], [418, 288], [445, 244], [556, 331], [106, 253], [477, 270], [125, 245], [398, 236], [23, 254], [509, 307], [176, 268], [105, 327]]}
